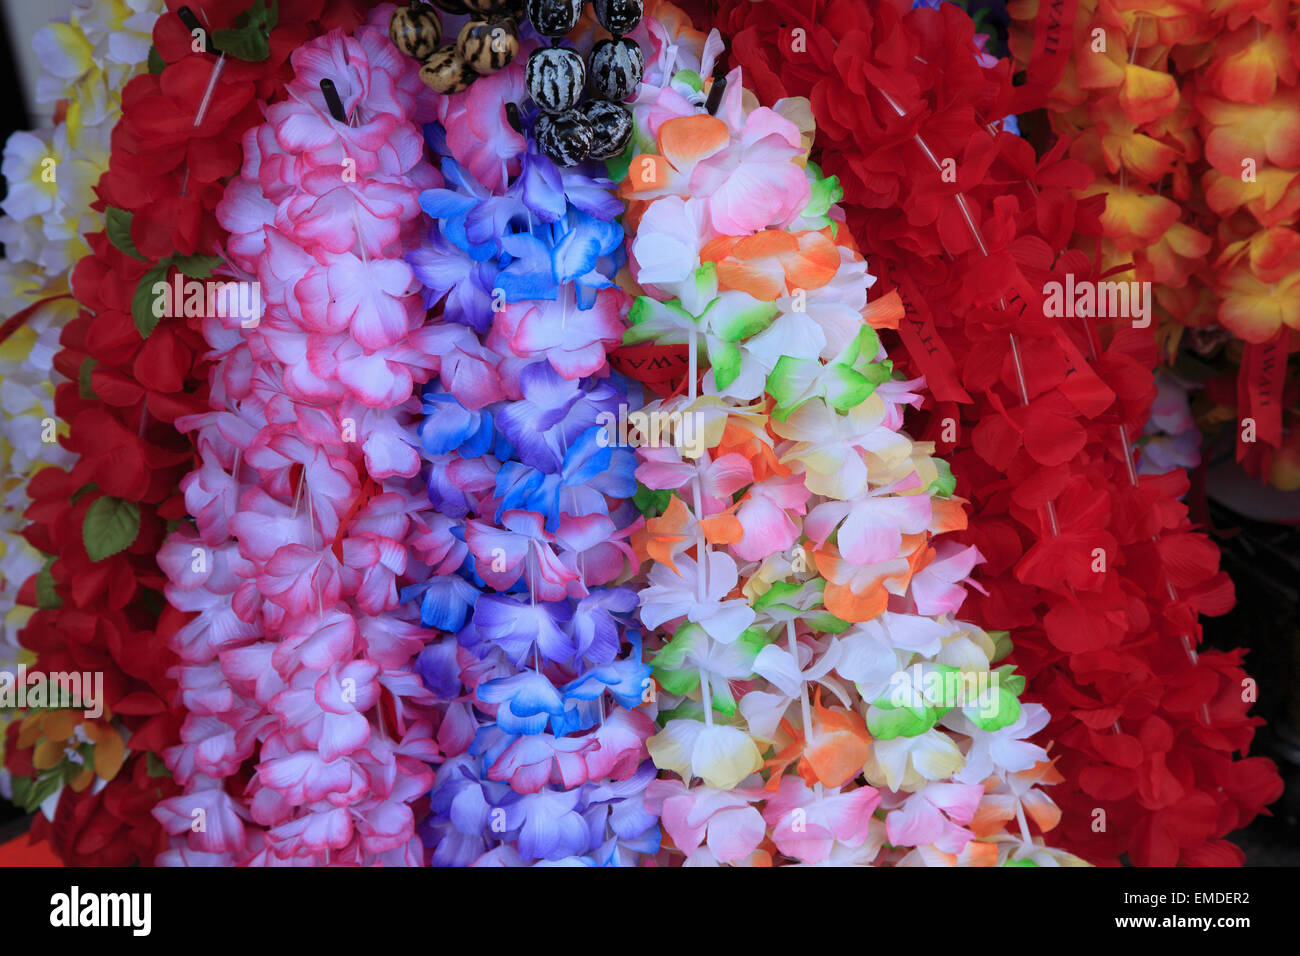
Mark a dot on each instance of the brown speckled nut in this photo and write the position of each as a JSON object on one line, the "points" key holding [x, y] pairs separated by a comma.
{"points": [[445, 72], [416, 31], [488, 45]]}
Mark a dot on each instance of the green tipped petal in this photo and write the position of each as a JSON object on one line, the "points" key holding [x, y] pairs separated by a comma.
{"points": [[845, 388], [885, 721], [724, 357], [944, 485]]}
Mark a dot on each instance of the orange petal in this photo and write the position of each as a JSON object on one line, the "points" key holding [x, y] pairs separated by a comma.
{"points": [[47, 754], [885, 312], [839, 745], [722, 528], [109, 754], [947, 514], [1146, 94], [847, 605], [976, 853], [647, 173], [685, 140], [1040, 808], [60, 724], [31, 729], [992, 814]]}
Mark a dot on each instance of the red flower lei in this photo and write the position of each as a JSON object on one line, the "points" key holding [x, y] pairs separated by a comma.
{"points": [[168, 172], [1098, 571]]}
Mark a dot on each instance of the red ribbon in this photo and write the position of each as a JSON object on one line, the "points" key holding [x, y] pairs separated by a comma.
{"points": [[1259, 390], [658, 367], [1053, 38], [923, 342]]}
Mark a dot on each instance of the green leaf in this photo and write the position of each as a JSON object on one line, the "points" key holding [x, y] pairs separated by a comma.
{"points": [[249, 41], [47, 596], [84, 490], [196, 267], [154, 765], [83, 378], [117, 223], [111, 525], [248, 44], [156, 63], [69, 769], [651, 503], [37, 790], [142, 303]]}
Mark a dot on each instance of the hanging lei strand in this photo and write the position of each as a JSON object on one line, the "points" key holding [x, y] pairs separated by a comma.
{"points": [[539, 659], [308, 735], [1108, 593], [131, 373], [84, 60], [787, 469]]}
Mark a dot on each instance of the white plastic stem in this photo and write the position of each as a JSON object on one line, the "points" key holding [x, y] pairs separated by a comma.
{"points": [[805, 709], [217, 69]]}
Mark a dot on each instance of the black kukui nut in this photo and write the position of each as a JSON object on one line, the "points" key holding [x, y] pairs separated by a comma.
{"points": [[554, 77], [416, 31], [619, 16], [611, 127], [616, 68], [444, 71], [565, 137], [554, 18], [488, 45]]}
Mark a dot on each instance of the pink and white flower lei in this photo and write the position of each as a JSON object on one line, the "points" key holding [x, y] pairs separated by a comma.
{"points": [[308, 736]]}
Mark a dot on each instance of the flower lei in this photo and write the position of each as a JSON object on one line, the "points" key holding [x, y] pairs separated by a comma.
{"points": [[84, 62], [127, 382], [1155, 109], [532, 504], [1097, 568], [786, 466], [307, 732]]}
